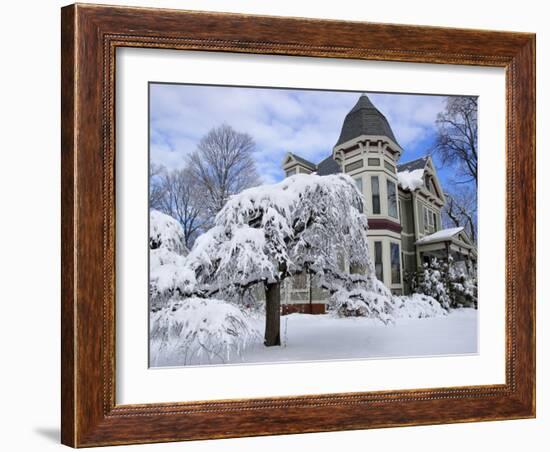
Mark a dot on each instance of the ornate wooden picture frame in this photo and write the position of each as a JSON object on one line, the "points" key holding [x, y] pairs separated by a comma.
{"points": [[90, 37]]}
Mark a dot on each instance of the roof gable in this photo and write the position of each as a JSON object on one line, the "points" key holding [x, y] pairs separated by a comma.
{"points": [[300, 160], [412, 165]]}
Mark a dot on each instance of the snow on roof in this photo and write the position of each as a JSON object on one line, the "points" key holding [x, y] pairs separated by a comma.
{"points": [[443, 234], [411, 180]]}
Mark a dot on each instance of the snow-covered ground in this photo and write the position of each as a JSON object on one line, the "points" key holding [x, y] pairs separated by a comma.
{"points": [[307, 337]]}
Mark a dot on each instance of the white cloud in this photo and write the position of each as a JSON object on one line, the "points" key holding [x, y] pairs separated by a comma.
{"points": [[305, 122]]}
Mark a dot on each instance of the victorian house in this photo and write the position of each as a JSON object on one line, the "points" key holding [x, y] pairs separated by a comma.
{"points": [[402, 201]]}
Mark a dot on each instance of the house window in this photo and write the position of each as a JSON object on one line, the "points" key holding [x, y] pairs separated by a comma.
{"points": [[375, 185], [389, 166], [291, 172], [392, 199], [359, 185], [373, 162], [354, 166], [430, 220], [299, 281], [395, 263], [378, 261]]}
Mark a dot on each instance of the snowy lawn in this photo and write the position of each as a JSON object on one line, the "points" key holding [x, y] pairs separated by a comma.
{"points": [[307, 337]]}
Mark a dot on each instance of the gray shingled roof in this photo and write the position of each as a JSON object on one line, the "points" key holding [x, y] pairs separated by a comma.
{"points": [[364, 119], [328, 166], [303, 161], [413, 164]]}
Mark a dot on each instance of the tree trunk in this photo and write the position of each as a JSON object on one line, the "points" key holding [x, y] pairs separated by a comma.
{"points": [[272, 314]]}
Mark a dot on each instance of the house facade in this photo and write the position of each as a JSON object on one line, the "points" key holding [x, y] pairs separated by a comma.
{"points": [[402, 201]]}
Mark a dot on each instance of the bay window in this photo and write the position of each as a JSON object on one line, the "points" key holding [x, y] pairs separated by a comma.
{"points": [[395, 263], [392, 199], [378, 261], [375, 186]]}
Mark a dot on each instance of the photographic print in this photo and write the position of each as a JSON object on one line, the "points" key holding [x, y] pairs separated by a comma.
{"points": [[299, 225]]}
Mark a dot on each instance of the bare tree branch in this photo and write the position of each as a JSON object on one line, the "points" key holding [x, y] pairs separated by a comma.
{"points": [[223, 165], [156, 188], [184, 201], [456, 141], [461, 210]]}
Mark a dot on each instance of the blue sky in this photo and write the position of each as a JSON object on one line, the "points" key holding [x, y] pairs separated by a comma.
{"points": [[304, 122]]}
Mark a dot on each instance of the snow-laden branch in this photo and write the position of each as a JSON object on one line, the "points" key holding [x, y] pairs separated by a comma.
{"points": [[266, 233]]}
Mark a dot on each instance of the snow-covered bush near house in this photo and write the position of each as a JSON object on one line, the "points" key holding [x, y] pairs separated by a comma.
{"points": [[462, 287], [416, 306], [357, 295], [361, 303], [200, 331], [382, 305], [411, 180], [167, 249], [434, 282], [448, 283]]}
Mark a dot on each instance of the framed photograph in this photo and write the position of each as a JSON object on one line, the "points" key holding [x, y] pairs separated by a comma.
{"points": [[281, 225]]}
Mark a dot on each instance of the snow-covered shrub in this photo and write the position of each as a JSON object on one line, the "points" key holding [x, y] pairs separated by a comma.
{"points": [[410, 278], [416, 306], [360, 303], [462, 288], [199, 331], [448, 284], [167, 249], [358, 296], [434, 282]]}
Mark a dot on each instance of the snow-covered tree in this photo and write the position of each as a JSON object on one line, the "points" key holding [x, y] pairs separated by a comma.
{"points": [[307, 223]]}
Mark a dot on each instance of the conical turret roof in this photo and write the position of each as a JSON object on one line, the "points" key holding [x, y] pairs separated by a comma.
{"points": [[364, 119]]}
